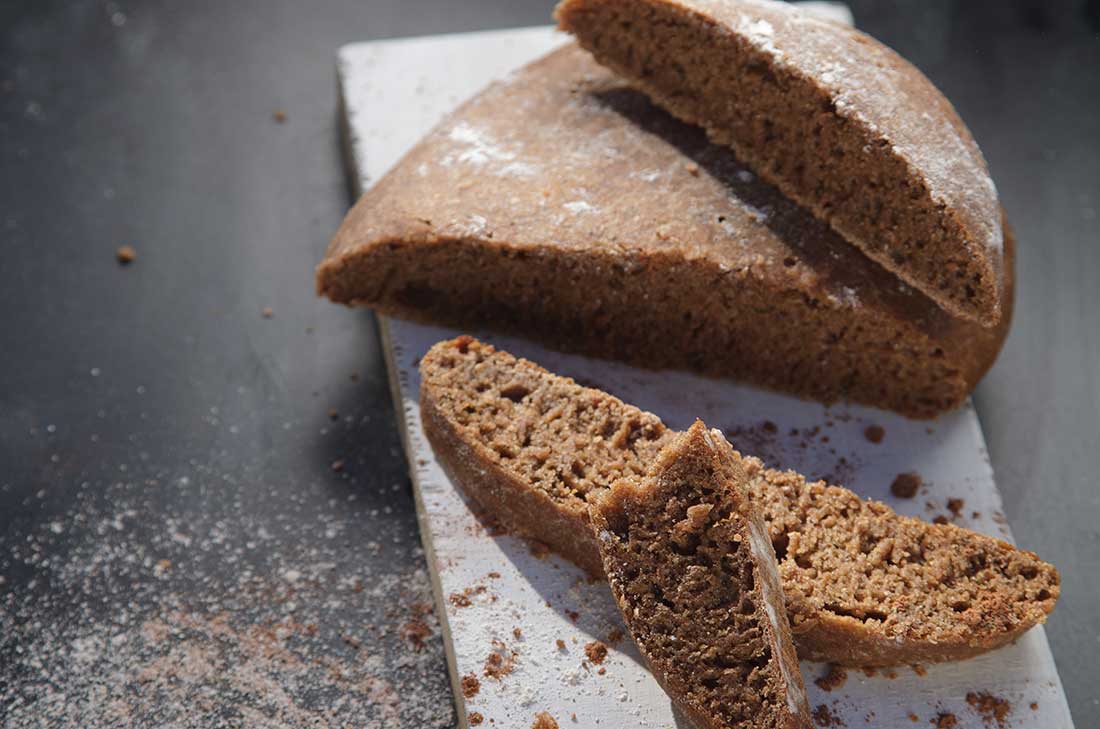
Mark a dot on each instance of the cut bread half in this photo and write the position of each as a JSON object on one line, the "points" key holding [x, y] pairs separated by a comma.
{"points": [[833, 118], [561, 204], [691, 566], [864, 586]]}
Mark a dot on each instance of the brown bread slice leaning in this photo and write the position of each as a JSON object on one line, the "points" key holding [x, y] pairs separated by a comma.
{"points": [[836, 120], [691, 566], [864, 586], [561, 204]]}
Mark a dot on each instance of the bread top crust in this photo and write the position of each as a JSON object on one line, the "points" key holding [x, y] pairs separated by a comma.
{"points": [[886, 101], [873, 85]]}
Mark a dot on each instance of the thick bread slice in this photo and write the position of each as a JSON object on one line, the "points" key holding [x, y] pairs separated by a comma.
{"points": [[838, 121], [690, 563], [864, 586], [561, 204]]}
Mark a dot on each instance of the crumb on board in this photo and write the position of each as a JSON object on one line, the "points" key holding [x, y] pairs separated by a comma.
{"points": [[955, 506], [459, 600], [267, 312], [945, 720], [824, 716], [993, 709], [596, 652], [470, 685], [544, 721], [561, 644], [940, 519], [874, 433], [279, 116], [500, 662], [833, 678], [475, 718], [906, 485]]}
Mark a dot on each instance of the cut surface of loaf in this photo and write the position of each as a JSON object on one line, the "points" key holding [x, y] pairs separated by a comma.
{"points": [[835, 119], [864, 586], [562, 204], [691, 566]]}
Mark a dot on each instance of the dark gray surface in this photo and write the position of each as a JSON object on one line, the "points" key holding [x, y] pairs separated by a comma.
{"points": [[151, 125]]}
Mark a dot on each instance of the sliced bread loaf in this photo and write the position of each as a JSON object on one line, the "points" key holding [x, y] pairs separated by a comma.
{"points": [[690, 563], [835, 119], [864, 586], [561, 204]]}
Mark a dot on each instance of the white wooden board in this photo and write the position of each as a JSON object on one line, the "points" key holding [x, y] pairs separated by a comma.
{"points": [[394, 92]]}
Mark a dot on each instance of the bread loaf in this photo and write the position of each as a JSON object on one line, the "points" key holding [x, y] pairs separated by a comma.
{"points": [[561, 204]]}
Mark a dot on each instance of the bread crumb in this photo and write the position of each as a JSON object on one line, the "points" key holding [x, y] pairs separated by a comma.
{"points": [[941, 519], [475, 718], [906, 485], [544, 721], [125, 255], [1034, 706], [913, 717], [415, 631], [946, 720], [874, 433], [279, 116], [337, 465], [500, 662], [920, 670], [955, 506], [470, 685], [459, 600], [834, 678], [823, 716], [516, 632], [267, 312], [596, 652], [332, 414], [614, 636], [560, 644], [992, 708]]}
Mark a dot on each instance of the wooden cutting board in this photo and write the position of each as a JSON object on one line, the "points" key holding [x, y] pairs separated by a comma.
{"points": [[494, 596]]}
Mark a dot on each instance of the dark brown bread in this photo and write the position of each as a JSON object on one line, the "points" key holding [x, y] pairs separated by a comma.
{"points": [[691, 566], [864, 586], [835, 119], [561, 204]]}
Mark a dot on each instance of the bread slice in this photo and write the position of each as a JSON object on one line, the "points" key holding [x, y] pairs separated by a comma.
{"points": [[864, 586], [561, 204], [691, 566], [838, 121]]}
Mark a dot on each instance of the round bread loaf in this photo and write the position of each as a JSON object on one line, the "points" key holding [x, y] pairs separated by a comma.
{"points": [[563, 205]]}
